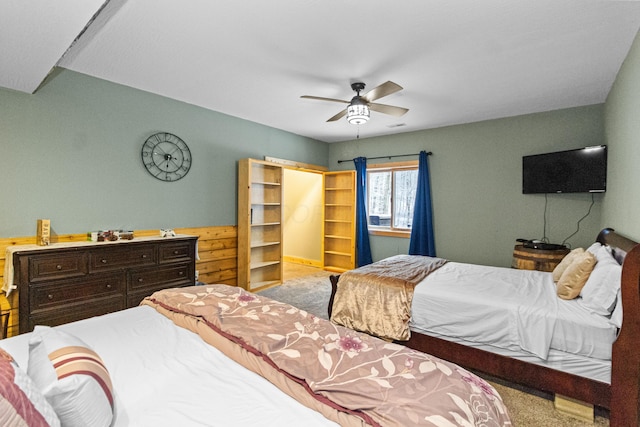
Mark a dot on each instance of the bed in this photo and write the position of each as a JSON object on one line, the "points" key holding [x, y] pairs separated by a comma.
{"points": [[602, 369], [218, 355]]}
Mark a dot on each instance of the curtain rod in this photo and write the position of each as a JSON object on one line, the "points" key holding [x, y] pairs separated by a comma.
{"points": [[387, 157]]}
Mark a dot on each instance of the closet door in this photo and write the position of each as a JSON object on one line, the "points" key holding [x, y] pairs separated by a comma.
{"points": [[339, 251], [259, 224]]}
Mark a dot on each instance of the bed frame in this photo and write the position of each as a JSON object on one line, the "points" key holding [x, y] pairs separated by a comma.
{"points": [[621, 397]]}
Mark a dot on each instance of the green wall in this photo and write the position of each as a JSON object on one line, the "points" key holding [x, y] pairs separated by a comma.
{"points": [[476, 180], [72, 154], [621, 208]]}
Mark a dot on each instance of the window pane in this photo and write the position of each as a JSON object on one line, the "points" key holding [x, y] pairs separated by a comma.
{"points": [[379, 189], [405, 184]]}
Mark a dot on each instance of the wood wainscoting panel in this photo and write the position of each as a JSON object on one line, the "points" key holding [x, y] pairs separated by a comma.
{"points": [[216, 263]]}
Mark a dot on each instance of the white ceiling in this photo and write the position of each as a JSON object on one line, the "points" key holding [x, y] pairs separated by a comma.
{"points": [[458, 61]]}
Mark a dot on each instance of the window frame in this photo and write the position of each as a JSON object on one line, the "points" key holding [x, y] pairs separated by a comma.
{"points": [[389, 167]]}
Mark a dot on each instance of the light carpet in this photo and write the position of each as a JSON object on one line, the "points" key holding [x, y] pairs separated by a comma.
{"points": [[526, 407]]}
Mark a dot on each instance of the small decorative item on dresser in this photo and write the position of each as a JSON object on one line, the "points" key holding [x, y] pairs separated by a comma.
{"points": [[167, 232], [111, 235], [43, 233]]}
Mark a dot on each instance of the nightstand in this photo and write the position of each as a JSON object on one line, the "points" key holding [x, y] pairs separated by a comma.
{"points": [[537, 259]]}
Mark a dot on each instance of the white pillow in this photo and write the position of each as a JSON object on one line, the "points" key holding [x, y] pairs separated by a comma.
{"points": [[72, 377], [594, 247], [600, 291]]}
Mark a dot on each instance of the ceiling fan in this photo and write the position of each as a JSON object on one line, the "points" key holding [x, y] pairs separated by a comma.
{"points": [[357, 111]]}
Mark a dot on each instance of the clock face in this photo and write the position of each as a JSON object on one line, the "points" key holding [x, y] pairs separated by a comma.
{"points": [[166, 156]]}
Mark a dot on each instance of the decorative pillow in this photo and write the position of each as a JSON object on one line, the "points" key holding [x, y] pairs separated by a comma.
{"points": [[575, 275], [600, 291], [72, 377], [21, 403], [566, 261]]}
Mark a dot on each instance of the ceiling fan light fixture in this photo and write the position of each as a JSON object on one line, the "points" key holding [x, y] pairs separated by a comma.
{"points": [[358, 113]]}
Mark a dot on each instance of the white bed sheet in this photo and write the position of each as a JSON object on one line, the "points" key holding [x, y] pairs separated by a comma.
{"points": [[164, 375], [595, 369], [520, 312]]}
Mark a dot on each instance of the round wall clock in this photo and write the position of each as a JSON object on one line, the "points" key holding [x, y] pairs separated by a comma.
{"points": [[166, 156]]}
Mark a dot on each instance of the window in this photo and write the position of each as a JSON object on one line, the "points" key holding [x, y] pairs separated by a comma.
{"points": [[391, 194]]}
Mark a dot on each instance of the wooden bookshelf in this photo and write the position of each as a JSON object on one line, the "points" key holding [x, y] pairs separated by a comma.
{"points": [[260, 192], [339, 221]]}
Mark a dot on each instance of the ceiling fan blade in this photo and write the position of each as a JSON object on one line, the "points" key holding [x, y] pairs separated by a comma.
{"points": [[319, 98], [388, 109], [338, 116], [383, 90]]}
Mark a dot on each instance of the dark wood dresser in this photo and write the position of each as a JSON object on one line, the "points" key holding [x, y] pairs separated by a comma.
{"points": [[63, 283]]}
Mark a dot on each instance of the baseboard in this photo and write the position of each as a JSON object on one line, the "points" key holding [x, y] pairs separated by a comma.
{"points": [[302, 261]]}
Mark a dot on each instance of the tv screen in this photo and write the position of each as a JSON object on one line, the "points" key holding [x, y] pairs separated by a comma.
{"points": [[574, 171]]}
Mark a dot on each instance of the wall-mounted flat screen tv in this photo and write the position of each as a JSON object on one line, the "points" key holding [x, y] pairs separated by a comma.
{"points": [[582, 170]]}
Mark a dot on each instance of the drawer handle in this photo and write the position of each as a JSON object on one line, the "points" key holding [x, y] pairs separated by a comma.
{"points": [[144, 256], [59, 267], [181, 273], [176, 252], [50, 296], [109, 286], [104, 261], [140, 280]]}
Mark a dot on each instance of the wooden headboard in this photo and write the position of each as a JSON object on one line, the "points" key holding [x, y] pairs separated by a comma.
{"points": [[620, 245]]}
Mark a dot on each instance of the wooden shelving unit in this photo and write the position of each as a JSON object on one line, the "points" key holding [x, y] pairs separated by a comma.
{"points": [[259, 224], [339, 251]]}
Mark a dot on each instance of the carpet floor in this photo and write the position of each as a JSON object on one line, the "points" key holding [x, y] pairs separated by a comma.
{"points": [[526, 407]]}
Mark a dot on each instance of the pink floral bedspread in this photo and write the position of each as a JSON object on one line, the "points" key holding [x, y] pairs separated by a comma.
{"points": [[385, 384]]}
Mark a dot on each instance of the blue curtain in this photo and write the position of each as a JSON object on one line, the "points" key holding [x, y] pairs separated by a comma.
{"points": [[363, 248], [422, 242]]}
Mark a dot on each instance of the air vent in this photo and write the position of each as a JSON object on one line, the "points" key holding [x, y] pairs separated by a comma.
{"points": [[397, 125]]}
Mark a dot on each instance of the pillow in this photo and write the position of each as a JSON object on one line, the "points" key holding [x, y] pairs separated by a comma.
{"points": [[566, 261], [21, 403], [575, 275], [72, 377], [594, 247], [600, 291]]}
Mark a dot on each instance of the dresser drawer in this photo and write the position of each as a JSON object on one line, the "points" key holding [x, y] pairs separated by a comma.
{"points": [[120, 256], [159, 278], [72, 313], [175, 252], [51, 267], [55, 295]]}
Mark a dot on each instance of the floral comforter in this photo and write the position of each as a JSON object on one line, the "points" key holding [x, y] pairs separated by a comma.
{"points": [[362, 380]]}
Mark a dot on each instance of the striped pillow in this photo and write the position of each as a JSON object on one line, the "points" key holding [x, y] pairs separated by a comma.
{"points": [[21, 403], [72, 377]]}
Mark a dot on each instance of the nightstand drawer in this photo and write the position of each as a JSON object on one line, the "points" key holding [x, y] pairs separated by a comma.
{"points": [[66, 293], [120, 256]]}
